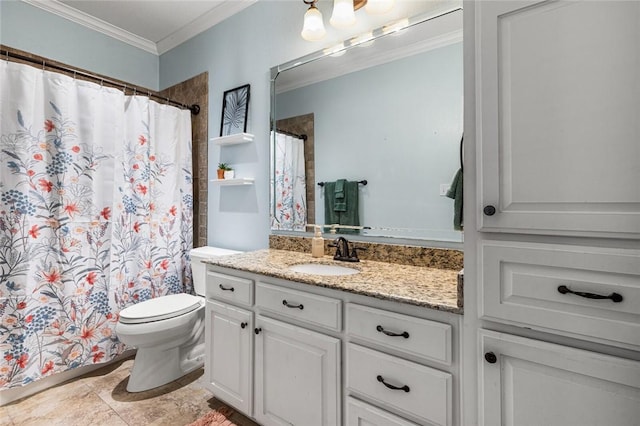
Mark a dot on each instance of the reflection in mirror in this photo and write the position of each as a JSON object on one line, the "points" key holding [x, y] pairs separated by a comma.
{"points": [[389, 113]]}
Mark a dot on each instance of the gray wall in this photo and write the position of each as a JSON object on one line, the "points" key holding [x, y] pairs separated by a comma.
{"points": [[398, 125], [34, 30]]}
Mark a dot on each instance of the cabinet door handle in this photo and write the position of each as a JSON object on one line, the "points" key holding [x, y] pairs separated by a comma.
{"points": [[257, 330], [289, 305], [404, 388], [392, 334], [615, 297], [223, 288], [243, 325], [489, 210], [490, 357]]}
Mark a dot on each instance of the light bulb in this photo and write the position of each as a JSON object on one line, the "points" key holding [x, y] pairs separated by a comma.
{"points": [[363, 40], [343, 15], [313, 27], [396, 26], [378, 7]]}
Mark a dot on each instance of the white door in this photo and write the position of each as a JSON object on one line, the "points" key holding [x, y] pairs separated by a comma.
{"points": [[297, 376], [229, 349], [558, 89], [525, 382]]}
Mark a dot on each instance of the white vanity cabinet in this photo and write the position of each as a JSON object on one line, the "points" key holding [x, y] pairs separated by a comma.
{"points": [[297, 370], [388, 380], [529, 382], [297, 375], [229, 339], [557, 101], [229, 354], [324, 357]]}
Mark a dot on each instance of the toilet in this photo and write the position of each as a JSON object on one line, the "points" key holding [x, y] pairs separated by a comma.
{"points": [[168, 331]]}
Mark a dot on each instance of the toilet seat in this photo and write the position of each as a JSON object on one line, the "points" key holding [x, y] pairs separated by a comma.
{"points": [[160, 308]]}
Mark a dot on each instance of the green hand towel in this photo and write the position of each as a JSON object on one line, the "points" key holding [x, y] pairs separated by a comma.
{"points": [[331, 216], [455, 192], [351, 215], [340, 204]]}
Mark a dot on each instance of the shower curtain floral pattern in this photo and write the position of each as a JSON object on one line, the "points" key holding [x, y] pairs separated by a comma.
{"points": [[289, 211], [95, 215]]}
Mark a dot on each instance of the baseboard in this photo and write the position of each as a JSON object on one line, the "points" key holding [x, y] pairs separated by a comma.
{"points": [[9, 395]]}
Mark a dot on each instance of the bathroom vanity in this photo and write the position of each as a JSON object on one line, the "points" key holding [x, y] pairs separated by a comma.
{"points": [[378, 346]]}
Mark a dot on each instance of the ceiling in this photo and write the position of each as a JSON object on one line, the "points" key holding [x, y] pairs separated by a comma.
{"points": [[153, 25]]}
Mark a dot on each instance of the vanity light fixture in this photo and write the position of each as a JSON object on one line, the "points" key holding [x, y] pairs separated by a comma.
{"points": [[378, 7], [343, 15], [313, 26]]}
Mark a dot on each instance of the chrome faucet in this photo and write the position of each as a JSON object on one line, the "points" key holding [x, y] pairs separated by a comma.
{"points": [[343, 252]]}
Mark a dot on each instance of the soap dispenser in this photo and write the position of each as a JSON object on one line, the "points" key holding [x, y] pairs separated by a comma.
{"points": [[317, 244]]}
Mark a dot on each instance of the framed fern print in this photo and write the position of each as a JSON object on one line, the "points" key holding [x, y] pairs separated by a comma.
{"points": [[235, 107]]}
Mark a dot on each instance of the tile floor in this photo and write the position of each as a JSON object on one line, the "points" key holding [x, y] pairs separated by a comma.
{"points": [[100, 398]]}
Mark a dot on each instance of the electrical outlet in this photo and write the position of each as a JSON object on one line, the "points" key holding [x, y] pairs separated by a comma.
{"points": [[444, 188]]}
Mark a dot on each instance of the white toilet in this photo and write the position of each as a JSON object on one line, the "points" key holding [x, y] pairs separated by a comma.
{"points": [[168, 331]]}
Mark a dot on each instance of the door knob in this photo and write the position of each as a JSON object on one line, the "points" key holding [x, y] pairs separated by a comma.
{"points": [[489, 210], [490, 357]]}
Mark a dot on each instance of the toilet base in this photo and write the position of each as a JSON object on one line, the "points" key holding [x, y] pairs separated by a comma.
{"points": [[153, 367]]}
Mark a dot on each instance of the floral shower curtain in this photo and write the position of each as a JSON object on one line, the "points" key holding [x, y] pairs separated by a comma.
{"points": [[95, 215], [289, 185]]}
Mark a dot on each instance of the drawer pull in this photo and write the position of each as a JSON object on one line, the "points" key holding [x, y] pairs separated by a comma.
{"points": [[289, 305], [243, 324], [257, 330], [223, 288], [615, 297], [404, 388], [392, 334]]}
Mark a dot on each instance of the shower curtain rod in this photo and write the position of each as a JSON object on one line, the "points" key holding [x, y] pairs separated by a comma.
{"points": [[6, 54], [295, 135]]}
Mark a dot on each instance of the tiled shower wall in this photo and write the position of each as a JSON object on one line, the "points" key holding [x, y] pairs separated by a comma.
{"points": [[196, 91]]}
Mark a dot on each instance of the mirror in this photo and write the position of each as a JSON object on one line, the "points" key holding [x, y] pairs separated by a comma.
{"points": [[386, 110]]}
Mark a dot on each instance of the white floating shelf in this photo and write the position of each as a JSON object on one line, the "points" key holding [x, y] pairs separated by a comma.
{"points": [[233, 139], [237, 181]]}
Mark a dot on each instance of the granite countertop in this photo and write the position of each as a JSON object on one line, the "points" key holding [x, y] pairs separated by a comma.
{"points": [[432, 288]]}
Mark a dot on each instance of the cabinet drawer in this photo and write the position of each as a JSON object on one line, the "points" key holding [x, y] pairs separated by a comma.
{"points": [[423, 338], [427, 395], [230, 288], [532, 284], [311, 308], [360, 413]]}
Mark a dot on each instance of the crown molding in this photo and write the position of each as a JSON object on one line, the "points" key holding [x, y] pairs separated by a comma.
{"points": [[202, 23], [195, 27], [93, 23]]}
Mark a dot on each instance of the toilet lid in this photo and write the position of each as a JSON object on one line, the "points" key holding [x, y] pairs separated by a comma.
{"points": [[160, 308]]}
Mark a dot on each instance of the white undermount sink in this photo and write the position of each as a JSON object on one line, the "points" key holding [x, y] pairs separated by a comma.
{"points": [[323, 269]]}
